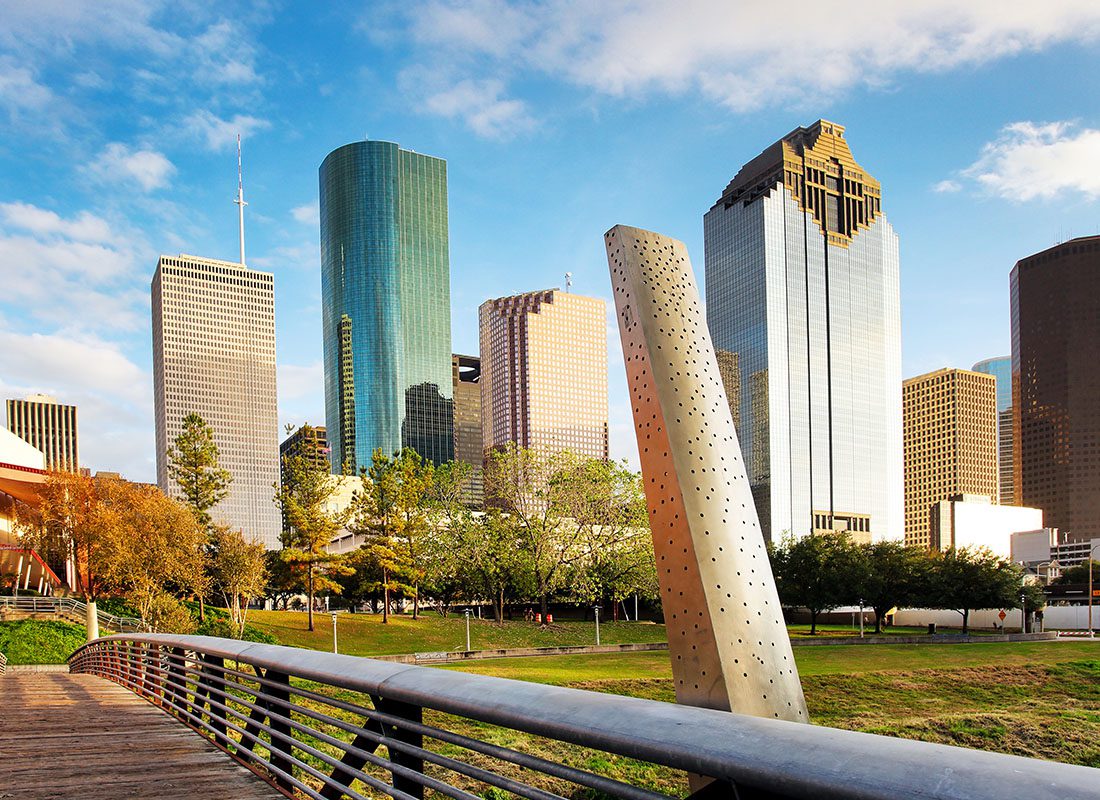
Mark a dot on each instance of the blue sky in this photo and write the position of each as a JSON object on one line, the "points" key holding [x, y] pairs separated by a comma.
{"points": [[558, 120]]}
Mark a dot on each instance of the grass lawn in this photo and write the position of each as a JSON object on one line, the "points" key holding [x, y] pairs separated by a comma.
{"points": [[32, 641], [365, 635], [1038, 699]]}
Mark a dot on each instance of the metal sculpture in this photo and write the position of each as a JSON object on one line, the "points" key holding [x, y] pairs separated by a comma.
{"points": [[727, 638]]}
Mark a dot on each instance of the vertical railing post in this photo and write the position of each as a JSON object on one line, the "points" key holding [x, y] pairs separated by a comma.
{"points": [[282, 756], [177, 680], [214, 667], [403, 734]]}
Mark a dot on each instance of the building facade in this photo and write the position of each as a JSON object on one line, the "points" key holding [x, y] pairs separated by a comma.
{"points": [[466, 385], [386, 304], [49, 426], [1001, 369], [544, 372], [802, 274], [1055, 314], [214, 355], [295, 445], [974, 521], [950, 418]]}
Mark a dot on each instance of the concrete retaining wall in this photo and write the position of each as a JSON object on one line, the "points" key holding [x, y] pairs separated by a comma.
{"points": [[442, 657]]}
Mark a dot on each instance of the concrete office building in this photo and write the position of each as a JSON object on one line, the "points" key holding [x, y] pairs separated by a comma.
{"points": [[544, 372], [466, 385], [386, 304], [214, 355], [802, 296], [1001, 369], [49, 426], [974, 521], [1055, 314], [950, 420], [295, 445]]}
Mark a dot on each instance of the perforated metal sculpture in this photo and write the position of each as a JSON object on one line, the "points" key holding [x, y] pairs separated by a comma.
{"points": [[727, 639]]}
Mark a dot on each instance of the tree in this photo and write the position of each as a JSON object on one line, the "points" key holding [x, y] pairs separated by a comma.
{"points": [[815, 572], [415, 478], [889, 574], [193, 465], [239, 571], [66, 524], [966, 579], [492, 566], [537, 493], [1079, 573], [305, 497], [156, 549], [384, 517]]}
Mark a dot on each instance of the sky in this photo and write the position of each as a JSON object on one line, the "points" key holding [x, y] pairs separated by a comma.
{"points": [[558, 120]]}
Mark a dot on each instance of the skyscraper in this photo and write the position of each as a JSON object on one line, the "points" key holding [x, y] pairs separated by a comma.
{"points": [[802, 288], [950, 443], [1001, 369], [295, 445], [214, 354], [466, 384], [386, 303], [48, 425], [1055, 312], [544, 372]]}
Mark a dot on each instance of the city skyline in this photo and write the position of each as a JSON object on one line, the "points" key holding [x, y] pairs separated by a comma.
{"points": [[120, 126]]}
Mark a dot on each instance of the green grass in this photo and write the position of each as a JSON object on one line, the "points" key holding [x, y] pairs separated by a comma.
{"points": [[365, 635], [32, 641], [1039, 699]]}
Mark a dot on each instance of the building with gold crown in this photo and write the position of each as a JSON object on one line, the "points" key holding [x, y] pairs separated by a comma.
{"points": [[803, 295]]}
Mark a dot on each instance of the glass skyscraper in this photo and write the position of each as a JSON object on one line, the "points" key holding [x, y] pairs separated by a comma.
{"points": [[1001, 369], [386, 303], [802, 285]]}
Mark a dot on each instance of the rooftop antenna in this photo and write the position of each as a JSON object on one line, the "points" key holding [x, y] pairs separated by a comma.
{"points": [[240, 196], [568, 282]]}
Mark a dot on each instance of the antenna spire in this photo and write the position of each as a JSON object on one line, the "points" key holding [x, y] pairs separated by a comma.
{"points": [[240, 196]]}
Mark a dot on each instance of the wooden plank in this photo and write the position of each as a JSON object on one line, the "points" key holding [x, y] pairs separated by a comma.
{"points": [[64, 736]]}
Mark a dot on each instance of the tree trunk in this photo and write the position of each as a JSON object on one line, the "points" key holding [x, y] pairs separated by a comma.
{"points": [[813, 622], [235, 612], [310, 592], [878, 619], [966, 621], [544, 606], [91, 620], [498, 607], [385, 597], [416, 601], [202, 608]]}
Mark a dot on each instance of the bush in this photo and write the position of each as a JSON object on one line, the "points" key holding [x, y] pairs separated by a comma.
{"points": [[117, 606], [32, 641]]}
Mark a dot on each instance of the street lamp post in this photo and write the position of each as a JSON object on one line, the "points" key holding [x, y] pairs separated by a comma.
{"points": [[596, 609], [468, 648], [1093, 550], [861, 618], [334, 632], [1023, 612]]}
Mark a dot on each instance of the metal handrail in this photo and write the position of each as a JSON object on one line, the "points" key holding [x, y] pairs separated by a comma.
{"points": [[267, 719], [47, 605], [3, 663]]}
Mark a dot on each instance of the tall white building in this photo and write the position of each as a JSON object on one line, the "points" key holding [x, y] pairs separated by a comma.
{"points": [[803, 297], [214, 354]]}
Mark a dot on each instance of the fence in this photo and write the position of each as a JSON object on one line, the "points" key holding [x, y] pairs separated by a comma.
{"points": [[75, 609], [313, 722]]}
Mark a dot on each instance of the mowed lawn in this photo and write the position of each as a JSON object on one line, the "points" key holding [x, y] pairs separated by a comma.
{"points": [[365, 635], [1039, 699]]}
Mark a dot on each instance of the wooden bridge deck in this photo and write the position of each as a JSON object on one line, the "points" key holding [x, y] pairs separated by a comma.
{"points": [[64, 736]]}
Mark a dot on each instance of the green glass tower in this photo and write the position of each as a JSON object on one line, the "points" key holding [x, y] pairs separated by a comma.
{"points": [[386, 303]]}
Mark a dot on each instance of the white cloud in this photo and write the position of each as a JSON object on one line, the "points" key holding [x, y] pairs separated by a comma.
{"points": [[309, 213], [479, 104], [947, 186], [76, 271], [1039, 160], [225, 55], [112, 394], [148, 168], [739, 54], [19, 91], [217, 133]]}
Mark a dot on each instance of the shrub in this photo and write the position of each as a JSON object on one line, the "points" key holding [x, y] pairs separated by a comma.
{"points": [[31, 641]]}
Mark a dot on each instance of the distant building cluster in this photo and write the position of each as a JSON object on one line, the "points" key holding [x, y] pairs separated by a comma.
{"points": [[803, 307]]}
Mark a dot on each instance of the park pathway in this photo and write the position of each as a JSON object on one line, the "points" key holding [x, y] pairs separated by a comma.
{"points": [[66, 736]]}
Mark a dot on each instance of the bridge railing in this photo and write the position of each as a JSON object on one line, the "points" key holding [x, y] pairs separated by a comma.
{"points": [[33, 604], [315, 722]]}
